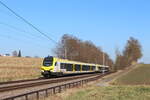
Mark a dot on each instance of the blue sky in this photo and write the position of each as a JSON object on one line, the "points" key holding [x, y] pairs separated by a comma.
{"points": [[107, 23]]}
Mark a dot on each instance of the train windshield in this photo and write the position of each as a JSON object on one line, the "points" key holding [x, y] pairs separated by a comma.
{"points": [[48, 61]]}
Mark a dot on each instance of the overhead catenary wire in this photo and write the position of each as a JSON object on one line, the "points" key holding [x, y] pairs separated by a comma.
{"points": [[21, 40], [19, 30], [27, 22]]}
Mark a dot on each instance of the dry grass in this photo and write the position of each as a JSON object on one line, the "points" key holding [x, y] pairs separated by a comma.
{"points": [[105, 93], [127, 89], [14, 68], [112, 93], [67, 93], [20, 62], [138, 76]]}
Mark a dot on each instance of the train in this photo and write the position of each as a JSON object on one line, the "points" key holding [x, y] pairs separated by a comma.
{"points": [[53, 66]]}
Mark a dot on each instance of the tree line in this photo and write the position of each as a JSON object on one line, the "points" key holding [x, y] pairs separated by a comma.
{"points": [[131, 53], [73, 48]]}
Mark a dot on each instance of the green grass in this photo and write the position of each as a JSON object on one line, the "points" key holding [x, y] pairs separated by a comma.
{"points": [[105, 93], [111, 93], [134, 85], [138, 76]]}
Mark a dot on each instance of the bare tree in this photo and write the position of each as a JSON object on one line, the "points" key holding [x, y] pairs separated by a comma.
{"points": [[131, 53], [132, 50], [72, 48]]}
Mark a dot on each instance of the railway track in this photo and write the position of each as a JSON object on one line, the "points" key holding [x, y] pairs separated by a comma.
{"points": [[24, 90], [8, 86], [18, 81]]}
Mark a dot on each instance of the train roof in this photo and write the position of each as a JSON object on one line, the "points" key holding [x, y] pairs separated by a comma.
{"points": [[69, 61], [77, 62]]}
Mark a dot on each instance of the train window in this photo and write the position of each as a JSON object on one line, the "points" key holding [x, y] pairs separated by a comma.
{"points": [[48, 61], [103, 68], [88, 68], [77, 67], [55, 63], [100, 68], [93, 67], [63, 66], [69, 67], [85, 68]]}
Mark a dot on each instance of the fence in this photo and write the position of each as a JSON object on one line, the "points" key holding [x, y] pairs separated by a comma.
{"points": [[37, 95]]}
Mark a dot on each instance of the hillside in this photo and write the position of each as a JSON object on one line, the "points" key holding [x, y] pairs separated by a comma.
{"points": [[133, 84], [138, 76], [15, 68], [108, 93]]}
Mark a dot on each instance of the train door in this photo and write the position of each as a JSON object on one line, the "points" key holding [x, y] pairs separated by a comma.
{"points": [[63, 67], [56, 66]]}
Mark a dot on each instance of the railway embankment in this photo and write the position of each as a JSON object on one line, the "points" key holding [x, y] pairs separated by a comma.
{"points": [[129, 84], [41, 88], [138, 76]]}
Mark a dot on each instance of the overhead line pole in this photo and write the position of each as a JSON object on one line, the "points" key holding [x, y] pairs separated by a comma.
{"points": [[103, 59], [27, 22]]}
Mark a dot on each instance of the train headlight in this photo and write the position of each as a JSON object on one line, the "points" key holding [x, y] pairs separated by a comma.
{"points": [[42, 70]]}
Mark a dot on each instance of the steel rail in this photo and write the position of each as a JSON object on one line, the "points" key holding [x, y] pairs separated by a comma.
{"points": [[55, 89], [36, 82]]}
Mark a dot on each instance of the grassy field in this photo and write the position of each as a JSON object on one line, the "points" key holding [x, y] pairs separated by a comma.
{"points": [[105, 93], [138, 76], [14, 68], [134, 85]]}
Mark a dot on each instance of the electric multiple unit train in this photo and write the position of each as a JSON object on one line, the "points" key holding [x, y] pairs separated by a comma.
{"points": [[53, 66]]}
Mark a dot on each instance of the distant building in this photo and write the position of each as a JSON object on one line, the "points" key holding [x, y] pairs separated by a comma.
{"points": [[27, 56], [36, 56], [7, 54]]}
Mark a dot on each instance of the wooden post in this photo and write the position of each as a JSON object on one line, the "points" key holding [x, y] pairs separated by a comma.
{"points": [[54, 92], [46, 92], [59, 89], [37, 95], [26, 97]]}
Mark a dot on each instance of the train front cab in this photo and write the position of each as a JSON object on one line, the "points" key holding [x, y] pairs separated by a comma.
{"points": [[49, 66]]}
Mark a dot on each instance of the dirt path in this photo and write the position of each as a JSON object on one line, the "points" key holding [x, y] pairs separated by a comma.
{"points": [[105, 81]]}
